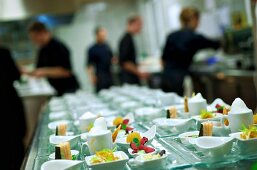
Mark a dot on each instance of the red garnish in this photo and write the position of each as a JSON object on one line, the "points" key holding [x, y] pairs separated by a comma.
{"points": [[140, 145]]}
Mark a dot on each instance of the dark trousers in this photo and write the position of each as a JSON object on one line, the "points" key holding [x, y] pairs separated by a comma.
{"points": [[172, 81]]}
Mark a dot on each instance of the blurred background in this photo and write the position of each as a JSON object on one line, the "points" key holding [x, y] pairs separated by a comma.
{"points": [[226, 73]]}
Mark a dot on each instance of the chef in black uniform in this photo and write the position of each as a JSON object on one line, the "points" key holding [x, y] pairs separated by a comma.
{"points": [[99, 62], [127, 53], [53, 60], [179, 50], [12, 114]]}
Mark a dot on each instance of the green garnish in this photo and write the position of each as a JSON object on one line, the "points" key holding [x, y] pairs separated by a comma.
{"points": [[74, 157]]}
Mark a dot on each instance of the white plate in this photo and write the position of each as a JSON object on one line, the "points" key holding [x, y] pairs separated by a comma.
{"points": [[215, 147], [217, 116], [114, 165], [55, 140], [175, 125], [62, 165], [245, 147], [139, 163], [184, 137], [53, 125], [73, 153]]}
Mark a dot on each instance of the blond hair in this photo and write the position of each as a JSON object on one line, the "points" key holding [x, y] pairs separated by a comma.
{"points": [[187, 14]]}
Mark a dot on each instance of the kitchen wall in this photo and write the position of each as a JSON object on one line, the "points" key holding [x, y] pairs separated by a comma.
{"points": [[78, 35]]}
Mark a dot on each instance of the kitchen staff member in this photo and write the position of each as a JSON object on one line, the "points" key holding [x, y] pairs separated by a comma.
{"points": [[53, 60], [179, 50], [12, 114], [99, 61], [127, 53]]}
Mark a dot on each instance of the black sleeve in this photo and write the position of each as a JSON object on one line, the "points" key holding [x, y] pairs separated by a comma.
{"points": [[90, 57], [39, 62], [166, 53], [13, 72], [65, 57], [124, 51], [202, 42]]}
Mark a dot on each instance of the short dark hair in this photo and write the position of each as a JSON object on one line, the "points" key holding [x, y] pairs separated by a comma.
{"points": [[133, 19], [98, 29], [37, 27]]}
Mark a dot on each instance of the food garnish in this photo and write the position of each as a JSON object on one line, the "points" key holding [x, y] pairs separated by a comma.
{"points": [[186, 109], [255, 119], [132, 136], [138, 146], [149, 157], [123, 122], [115, 133], [249, 133], [206, 115], [105, 155], [222, 109]]}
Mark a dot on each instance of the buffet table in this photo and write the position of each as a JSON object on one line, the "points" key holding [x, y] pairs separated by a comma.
{"points": [[146, 109], [34, 93]]}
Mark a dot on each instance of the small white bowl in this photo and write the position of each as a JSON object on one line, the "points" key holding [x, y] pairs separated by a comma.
{"points": [[218, 116], [57, 115], [214, 147], [175, 125], [150, 134], [52, 125], [149, 113], [67, 134], [62, 165], [246, 147], [73, 153], [114, 165], [73, 140], [187, 136], [139, 163]]}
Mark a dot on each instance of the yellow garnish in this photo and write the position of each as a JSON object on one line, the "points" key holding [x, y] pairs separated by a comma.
{"points": [[255, 119], [115, 133], [186, 109], [105, 155], [117, 121], [249, 133], [133, 135], [206, 115]]}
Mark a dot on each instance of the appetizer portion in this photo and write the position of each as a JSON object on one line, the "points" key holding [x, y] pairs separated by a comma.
{"points": [[255, 119], [172, 112], [206, 115], [124, 124], [62, 151], [61, 130], [150, 157], [249, 133], [104, 156], [206, 129], [222, 109], [138, 146], [132, 136]]}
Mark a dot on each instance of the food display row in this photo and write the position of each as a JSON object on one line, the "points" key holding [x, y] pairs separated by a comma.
{"points": [[132, 127]]}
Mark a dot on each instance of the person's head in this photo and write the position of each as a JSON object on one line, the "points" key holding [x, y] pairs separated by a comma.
{"points": [[100, 34], [39, 34], [189, 18], [134, 24]]}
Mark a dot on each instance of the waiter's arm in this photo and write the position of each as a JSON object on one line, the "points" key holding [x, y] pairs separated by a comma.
{"points": [[52, 72]]}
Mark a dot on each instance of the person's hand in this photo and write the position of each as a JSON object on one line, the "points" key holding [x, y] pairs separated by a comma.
{"points": [[144, 76], [93, 80], [39, 73]]}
